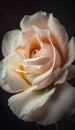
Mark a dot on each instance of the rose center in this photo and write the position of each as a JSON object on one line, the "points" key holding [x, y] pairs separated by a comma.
{"points": [[34, 52]]}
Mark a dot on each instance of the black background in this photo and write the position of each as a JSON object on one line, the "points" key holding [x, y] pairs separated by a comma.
{"points": [[11, 12]]}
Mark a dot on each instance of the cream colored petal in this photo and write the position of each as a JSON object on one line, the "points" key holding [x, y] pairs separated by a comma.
{"points": [[62, 77], [57, 107], [71, 57], [24, 103], [37, 67], [4, 85], [3, 68], [44, 75], [38, 19], [61, 104], [58, 34], [10, 42], [70, 53], [16, 81], [71, 71], [57, 29], [10, 79], [47, 73], [30, 41], [49, 80], [37, 61]]}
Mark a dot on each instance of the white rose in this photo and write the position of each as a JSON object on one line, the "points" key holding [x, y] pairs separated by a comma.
{"points": [[36, 65]]}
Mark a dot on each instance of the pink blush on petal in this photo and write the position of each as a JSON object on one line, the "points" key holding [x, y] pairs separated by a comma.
{"points": [[58, 61]]}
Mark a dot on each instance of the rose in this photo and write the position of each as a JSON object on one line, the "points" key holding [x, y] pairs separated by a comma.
{"points": [[37, 65]]}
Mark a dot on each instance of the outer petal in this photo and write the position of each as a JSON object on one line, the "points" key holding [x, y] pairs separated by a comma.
{"points": [[62, 77], [59, 105], [70, 58], [28, 101], [71, 72], [38, 19], [10, 42], [58, 34], [70, 53], [10, 80], [34, 67], [16, 82], [48, 80]]}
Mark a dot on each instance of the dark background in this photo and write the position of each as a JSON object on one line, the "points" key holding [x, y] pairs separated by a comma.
{"points": [[11, 12]]}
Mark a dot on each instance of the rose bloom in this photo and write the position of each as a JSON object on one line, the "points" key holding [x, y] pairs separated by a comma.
{"points": [[36, 67]]}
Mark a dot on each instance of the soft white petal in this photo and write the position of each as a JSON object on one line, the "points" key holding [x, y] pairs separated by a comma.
{"points": [[30, 40], [10, 42], [58, 106], [71, 71], [34, 65], [62, 77], [10, 79], [4, 85], [38, 19], [16, 82], [70, 58], [70, 53], [48, 80], [57, 29], [61, 105], [24, 103], [58, 34], [46, 74], [36, 61]]}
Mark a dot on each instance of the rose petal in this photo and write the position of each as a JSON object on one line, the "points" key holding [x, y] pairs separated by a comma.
{"points": [[47, 51], [62, 77], [35, 19], [58, 106], [51, 68], [4, 84], [71, 73], [36, 61], [47, 73], [24, 103], [33, 71], [16, 82], [58, 34], [70, 53], [62, 103], [10, 42], [29, 108], [34, 67], [30, 41], [70, 58], [49, 80], [10, 80]]}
